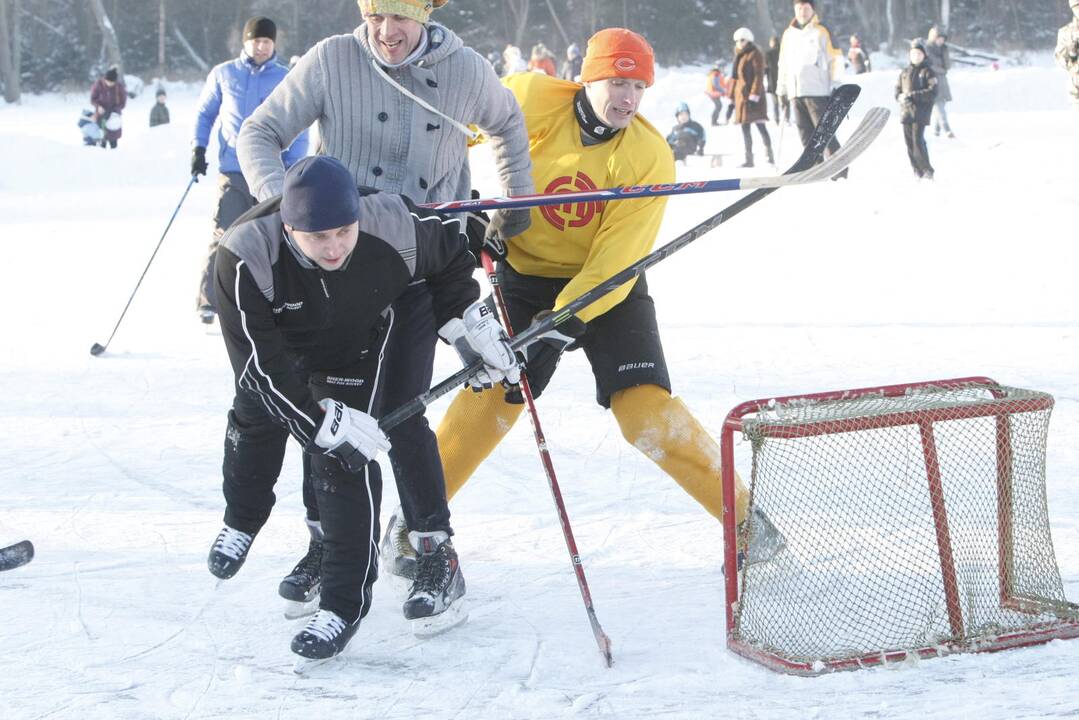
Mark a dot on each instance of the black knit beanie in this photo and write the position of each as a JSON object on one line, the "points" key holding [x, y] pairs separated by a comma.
{"points": [[260, 27]]}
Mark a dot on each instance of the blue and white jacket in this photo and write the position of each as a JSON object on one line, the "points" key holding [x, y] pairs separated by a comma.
{"points": [[232, 92]]}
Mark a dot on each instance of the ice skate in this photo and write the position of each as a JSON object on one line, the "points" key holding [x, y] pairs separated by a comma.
{"points": [[300, 588], [228, 553], [323, 638], [398, 555], [436, 602], [764, 540]]}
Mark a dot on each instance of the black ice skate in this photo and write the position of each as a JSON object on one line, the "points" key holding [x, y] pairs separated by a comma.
{"points": [[301, 587], [323, 639], [228, 552], [398, 556], [435, 603]]}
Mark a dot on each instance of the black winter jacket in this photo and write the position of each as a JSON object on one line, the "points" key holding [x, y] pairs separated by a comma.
{"points": [[920, 85], [283, 317]]}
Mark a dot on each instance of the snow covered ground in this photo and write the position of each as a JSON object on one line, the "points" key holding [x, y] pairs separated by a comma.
{"points": [[112, 465]]}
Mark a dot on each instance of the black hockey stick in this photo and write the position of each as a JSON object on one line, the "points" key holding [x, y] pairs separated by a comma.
{"points": [[842, 100], [97, 348], [16, 555]]}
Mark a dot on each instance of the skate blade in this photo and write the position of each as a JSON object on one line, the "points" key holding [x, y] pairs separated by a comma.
{"points": [[296, 609], [305, 665], [428, 627], [400, 586]]}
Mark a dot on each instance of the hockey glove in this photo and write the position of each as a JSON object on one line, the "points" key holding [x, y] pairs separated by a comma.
{"points": [[477, 335], [198, 161], [477, 227], [506, 224], [350, 435], [542, 356]]}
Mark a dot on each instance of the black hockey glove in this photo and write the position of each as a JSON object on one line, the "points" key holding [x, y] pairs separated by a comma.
{"points": [[481, 237], [476, 224], [541, 357], [198, 161], [506, 224]]}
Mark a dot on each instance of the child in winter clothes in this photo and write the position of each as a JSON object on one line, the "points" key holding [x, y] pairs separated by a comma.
{"points": [[159, 114], [687, 137], [91, 131], [916, 90]]}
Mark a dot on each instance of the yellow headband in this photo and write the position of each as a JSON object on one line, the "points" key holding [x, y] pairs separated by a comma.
{"points": [[418, 10]]}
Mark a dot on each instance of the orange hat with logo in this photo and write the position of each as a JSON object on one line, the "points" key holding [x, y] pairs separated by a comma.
{"points": [[617, 52]]}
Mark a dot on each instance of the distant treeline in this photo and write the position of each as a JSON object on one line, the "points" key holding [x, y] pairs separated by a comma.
{"points": [[46, 43]]}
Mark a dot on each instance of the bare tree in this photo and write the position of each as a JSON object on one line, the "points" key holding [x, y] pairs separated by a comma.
{"points": [[161, 60], [8, 62], [108, 33], [764, 20], [558, 23], [519, 12]]}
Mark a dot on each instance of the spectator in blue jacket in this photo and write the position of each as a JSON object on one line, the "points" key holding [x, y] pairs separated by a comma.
{"points": [[232, 92]]}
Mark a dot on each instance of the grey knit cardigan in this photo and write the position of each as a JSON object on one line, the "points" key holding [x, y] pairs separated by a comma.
{"points": [[384, 138]]}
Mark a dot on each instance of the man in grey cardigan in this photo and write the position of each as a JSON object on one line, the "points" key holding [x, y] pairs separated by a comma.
{"points": [[393, 101]]}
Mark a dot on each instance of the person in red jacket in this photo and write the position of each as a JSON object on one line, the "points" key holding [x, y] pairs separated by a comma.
{"points": [[717, 88], [108, 97], [542, 61]]}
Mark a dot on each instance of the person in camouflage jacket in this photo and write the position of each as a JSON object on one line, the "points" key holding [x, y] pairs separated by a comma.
{"points": [[1067, 52]]}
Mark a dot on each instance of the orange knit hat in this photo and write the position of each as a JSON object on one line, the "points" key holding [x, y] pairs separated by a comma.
{"points": [[617, 52]]}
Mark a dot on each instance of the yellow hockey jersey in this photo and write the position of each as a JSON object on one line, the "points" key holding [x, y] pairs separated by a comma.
{"points": [[588, 242]]}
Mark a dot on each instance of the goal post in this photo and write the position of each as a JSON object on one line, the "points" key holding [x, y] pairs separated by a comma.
{"points": [[915, 524]]}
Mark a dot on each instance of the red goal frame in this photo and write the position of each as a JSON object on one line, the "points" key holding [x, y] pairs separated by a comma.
{"points": [[924, 420]]}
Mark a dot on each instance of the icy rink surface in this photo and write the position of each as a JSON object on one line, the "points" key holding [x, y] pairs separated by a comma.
{"points": [[112, 465]]}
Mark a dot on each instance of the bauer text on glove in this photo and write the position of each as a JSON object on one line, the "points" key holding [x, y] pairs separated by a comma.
{"points": [[477, 335], [352, 436]]}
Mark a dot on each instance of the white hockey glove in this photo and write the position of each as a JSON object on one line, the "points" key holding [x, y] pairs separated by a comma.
{"points": [[350, 435], [477, 335]]}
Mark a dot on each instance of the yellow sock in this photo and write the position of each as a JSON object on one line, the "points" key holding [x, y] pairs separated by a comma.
{"points": [[662, 428], [470, 430]]}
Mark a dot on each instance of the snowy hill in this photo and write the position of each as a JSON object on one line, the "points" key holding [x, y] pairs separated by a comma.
{"points": [[112, 465]]}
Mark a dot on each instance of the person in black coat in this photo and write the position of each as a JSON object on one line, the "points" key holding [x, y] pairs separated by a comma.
{"points": [[771, 80], [306, 284], [915, 91]]}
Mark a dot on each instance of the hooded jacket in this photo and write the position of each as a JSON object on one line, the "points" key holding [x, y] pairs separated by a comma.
{"points": [[919, 84], [385, 139], [231, 93], [283, 317], [808, 62]]}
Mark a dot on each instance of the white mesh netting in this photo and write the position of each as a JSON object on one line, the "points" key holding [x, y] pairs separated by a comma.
{"points": [[862, 572]]}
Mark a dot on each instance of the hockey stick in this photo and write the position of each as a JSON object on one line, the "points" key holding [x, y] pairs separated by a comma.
{"points": [[16, 555], [833, 164], [841, 102], [96, 349], [602, 640]]}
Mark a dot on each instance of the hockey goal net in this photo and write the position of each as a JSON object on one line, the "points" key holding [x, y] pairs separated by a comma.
{"points": [[915, 524]]}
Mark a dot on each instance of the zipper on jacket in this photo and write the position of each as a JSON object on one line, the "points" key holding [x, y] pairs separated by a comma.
{"points": [[325, 290]]}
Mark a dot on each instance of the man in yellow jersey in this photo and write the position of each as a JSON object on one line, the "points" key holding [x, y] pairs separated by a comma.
{"points": [[586, 137]]}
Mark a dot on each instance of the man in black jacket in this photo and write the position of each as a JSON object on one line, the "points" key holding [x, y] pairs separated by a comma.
{"points": [[915, 91], [305, 285]]}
